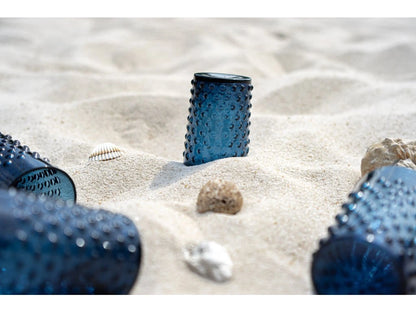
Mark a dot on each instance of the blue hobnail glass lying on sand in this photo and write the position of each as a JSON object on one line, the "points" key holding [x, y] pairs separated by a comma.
{"points": [[23, 169], [219, 118], [371, 247], [56, 247]]}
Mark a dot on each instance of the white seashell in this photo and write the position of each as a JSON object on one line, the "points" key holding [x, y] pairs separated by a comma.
{"points": [[105, 151], [210, 260]]}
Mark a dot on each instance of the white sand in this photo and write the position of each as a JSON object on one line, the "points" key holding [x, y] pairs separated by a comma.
{"points": [[324, 90]]}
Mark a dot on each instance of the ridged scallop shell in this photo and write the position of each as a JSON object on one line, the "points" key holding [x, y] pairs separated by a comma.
{"points": [[105, 151]]}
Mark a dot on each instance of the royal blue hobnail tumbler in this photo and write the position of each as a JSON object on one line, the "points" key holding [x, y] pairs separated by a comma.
{"points": [[23, 169], [219, 118], [366, 250], [57, 247]]}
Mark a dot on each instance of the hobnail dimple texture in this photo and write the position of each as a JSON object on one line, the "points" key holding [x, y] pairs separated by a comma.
{"points": [[23, 169], [55, 247], [219, 118], [366, 250]]}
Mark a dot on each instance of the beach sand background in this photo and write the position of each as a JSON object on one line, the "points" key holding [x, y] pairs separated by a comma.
{"points": [[324, 90]]}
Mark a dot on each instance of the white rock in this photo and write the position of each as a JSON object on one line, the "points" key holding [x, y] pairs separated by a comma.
{"points": [[210, 260]]}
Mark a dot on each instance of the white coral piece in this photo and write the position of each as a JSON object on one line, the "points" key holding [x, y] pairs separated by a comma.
{"points": [[210, 260]]}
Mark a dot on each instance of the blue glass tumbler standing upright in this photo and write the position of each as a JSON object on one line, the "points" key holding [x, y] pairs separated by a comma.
{"points": [[219, 118]]}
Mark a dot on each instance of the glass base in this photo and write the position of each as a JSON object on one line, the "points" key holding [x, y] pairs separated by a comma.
{"points": [[351, 266], [47, 181]]}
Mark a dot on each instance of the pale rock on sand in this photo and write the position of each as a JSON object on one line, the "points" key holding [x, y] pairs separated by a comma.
{"points": [[406, 163], [389, 152], [324, 91]]}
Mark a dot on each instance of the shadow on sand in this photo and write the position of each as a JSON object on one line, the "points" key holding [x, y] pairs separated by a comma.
{"points": [[173, 172]]}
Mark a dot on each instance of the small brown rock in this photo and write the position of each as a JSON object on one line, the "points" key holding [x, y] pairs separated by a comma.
{"points": [[219, 196], [389, 152]]}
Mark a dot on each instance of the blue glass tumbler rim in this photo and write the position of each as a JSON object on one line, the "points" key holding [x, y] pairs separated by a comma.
{"points": [[383, 254], [221, 77], [47, 167]]}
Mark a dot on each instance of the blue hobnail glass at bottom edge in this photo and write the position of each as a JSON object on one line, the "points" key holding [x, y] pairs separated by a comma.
{"points": [[56, 247], [350, 265]]}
